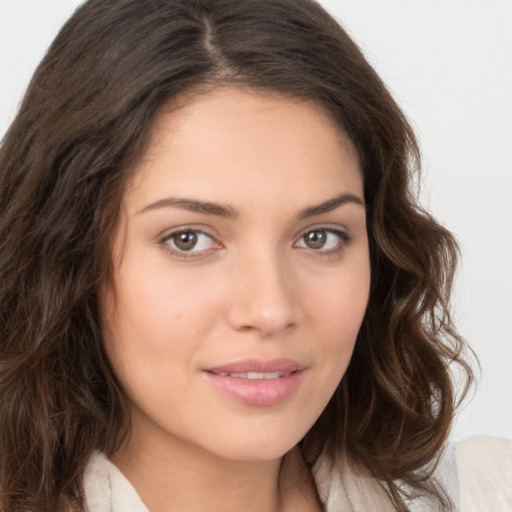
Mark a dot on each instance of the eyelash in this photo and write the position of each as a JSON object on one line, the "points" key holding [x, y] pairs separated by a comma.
{"points": [[163, 242], [344, 237], [344, 241]]}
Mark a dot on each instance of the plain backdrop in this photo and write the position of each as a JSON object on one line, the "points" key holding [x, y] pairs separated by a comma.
{"points": [[449, 65]]}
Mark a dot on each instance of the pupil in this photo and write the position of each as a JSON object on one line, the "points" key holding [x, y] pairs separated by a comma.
{"points": [[185, 241], [315, 239]]}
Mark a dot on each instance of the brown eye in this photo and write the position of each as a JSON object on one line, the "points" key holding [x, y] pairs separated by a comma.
{"points": [[315, 239], [192, 241], [324, 240], [185, 241], [188, 243]]}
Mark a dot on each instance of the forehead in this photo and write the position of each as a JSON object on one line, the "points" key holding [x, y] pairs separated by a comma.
{"points": [[230, 141]]}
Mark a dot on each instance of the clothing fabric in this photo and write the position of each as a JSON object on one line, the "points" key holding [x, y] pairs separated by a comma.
{"points": [[476, 474]]}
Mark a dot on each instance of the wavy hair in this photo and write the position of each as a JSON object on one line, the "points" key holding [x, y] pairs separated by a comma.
{"points": [[82, 125]]}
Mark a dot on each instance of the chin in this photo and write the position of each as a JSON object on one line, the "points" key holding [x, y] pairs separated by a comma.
{"points": [[255, 451], [256, 443]]}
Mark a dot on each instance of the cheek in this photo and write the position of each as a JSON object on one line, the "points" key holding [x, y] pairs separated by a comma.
{"points": [[341, 303], [336, 311], [158, 318], [154, 295]]}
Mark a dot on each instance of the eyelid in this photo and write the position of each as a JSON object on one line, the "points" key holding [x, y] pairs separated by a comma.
{"points": [[340, 231], [332, 228], [170, 233]]}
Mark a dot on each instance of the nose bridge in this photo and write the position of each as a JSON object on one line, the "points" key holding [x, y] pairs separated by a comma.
{"points": [[263, 297]]}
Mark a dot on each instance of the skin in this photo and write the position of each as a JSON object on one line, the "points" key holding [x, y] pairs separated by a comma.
{"points": [[252, 288]]}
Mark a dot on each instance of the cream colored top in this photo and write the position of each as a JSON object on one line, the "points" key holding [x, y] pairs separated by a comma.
{"points": [[477, 474]]}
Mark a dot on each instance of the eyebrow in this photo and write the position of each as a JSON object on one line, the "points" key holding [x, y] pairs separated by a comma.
{"points": [[226, 211], [193, 205], [330, 204]]}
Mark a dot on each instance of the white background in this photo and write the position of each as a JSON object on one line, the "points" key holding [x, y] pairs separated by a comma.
{"points": [[449, 65]]}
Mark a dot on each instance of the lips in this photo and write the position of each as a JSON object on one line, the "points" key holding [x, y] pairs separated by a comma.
{"points": [[255, 375], [282, 365], [256, 382]]}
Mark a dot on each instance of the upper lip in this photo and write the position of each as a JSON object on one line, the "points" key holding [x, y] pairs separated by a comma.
{"points": [[283, 365]]}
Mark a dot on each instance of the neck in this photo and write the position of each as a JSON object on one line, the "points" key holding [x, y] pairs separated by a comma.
{"points": [[181, 477]]}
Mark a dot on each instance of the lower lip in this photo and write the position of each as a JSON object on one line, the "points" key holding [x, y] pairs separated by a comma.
{"points": [[257, 391]]}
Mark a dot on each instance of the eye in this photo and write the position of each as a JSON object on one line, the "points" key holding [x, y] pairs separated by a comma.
{"points": [[324, 240], [188, 241]]}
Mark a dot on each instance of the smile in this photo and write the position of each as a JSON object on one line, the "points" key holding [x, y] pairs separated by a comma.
{"points": [[255, 375], [256, 382]]}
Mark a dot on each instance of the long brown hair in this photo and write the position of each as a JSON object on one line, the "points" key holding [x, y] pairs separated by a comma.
{"points": [[82, 125]]}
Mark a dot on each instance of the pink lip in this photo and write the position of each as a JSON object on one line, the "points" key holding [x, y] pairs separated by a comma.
{"points": [[257, 391], [257, 365]]}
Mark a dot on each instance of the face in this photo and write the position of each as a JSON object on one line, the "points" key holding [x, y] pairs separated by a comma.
{"points": [[241, 274]]}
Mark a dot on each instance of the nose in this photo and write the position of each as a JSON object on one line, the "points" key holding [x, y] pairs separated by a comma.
{"points": [[263, 296]]}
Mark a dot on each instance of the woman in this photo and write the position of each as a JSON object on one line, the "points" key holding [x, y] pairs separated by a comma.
{"points": [[217, 290]]}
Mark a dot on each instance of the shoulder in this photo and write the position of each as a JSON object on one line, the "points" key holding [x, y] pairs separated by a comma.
{"points": [[484, 467], [107, 489], [476, 475], [341, 487]]}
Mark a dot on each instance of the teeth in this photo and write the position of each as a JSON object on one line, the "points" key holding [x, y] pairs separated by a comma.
{"points": [[256, 375]]}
